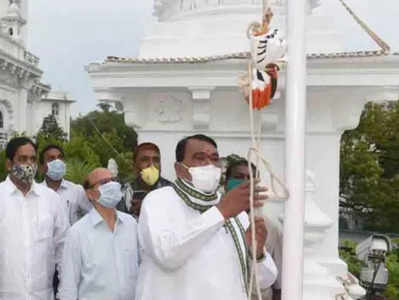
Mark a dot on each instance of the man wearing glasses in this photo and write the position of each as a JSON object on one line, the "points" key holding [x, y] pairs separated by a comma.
{"points": [[100, 259], [194, 244]]}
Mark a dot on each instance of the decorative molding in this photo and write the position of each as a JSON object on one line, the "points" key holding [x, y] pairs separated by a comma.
{"points": [[9, 80], [16, 75], [8, 116], [31, 58], [201, 97], [166, 9]]}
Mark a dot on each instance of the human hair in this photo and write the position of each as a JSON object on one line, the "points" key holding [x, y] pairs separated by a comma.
{"points": [[181, 145], [47, 148], [146, 146], [14, 144], [237, 163]]}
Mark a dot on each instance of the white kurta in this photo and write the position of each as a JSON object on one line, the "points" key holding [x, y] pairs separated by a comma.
{"points": [[32, 231], [74, 198], [188, 255]]}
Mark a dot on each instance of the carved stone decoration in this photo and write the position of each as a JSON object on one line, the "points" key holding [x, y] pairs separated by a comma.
{"points": [[169, 109]]}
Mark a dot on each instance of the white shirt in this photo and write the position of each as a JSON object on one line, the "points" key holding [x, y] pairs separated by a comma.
{"points": [[99, 264], [32, 231], [186, 255], [74, 198]]}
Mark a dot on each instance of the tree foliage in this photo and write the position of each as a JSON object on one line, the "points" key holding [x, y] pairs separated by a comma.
{"points": [[51, 130], [369, 170], [107, 135]]}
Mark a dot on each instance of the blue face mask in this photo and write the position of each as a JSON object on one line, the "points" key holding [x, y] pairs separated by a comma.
{"points": [[56, 169], [110, 194], [232, 183]]}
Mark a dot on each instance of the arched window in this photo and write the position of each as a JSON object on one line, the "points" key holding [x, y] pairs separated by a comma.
{"points": [[55, 109], [10, 31], [1, 120]]}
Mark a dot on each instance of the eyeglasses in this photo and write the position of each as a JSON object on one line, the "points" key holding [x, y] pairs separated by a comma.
{"points": [[87, 185]]}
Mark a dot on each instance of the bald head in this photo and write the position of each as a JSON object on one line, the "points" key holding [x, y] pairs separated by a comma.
{"points": [[97, 177]]}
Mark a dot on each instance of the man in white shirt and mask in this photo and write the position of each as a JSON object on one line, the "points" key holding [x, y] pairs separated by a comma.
{"points": [[32, 228], [195, 245], [73, 196], [53, 167], [100, 260]]}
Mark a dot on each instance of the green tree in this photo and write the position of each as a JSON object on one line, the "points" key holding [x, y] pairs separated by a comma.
{"points": [[51, 130], [369, 169], [108, 136]]}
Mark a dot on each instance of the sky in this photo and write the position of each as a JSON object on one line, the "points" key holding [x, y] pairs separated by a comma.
{"points": [[68, 35]]}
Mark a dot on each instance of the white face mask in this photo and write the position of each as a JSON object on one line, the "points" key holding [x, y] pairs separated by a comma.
{"points": [[205, 178], [56, 169], [110, 194]]}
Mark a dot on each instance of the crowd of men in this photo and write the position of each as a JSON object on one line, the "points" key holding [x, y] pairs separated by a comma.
{"points": [[149, 239]]}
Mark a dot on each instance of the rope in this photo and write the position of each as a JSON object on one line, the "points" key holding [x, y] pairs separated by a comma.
{"points": [[255, 150], [259, 159], [383, 45], [254, 273]]}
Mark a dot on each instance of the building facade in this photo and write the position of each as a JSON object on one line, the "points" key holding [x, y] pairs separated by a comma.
{"points": [[185, 81], [21, 90]]}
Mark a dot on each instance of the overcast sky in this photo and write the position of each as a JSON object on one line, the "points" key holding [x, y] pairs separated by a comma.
{"points": [[67, 35]]}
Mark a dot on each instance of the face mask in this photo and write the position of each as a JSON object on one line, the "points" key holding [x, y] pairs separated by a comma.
{"points": [[110, 194], [24, 173], [56, 169], [232, 183], [150, 175], [205, 178]]}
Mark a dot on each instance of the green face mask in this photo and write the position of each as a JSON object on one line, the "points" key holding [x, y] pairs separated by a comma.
{"points": [[232, 183]]}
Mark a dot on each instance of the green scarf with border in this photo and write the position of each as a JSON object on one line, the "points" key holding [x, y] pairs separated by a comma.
{"points": [[202, 202]]}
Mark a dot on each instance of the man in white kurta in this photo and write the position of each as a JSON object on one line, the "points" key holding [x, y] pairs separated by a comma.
{"points": [[193, 243], [72, 195], [32, 228]]}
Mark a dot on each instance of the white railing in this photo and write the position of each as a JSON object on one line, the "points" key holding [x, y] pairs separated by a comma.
{"points": [[31, 58], [164, 8]]}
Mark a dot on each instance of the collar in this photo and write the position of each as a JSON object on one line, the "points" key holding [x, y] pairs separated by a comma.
{"points": [[63, 185], [194, 197], [96, 218], [12, 188]]}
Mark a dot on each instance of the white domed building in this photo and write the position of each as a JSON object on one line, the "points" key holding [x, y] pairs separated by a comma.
{"points": [[21, 90], [185, 81]]}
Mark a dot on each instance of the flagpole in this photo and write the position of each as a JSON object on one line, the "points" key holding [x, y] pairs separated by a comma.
{"points": [[292, 272]]}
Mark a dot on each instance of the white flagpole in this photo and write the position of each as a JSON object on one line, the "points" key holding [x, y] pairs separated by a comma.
{"points": [[292, 273]]}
